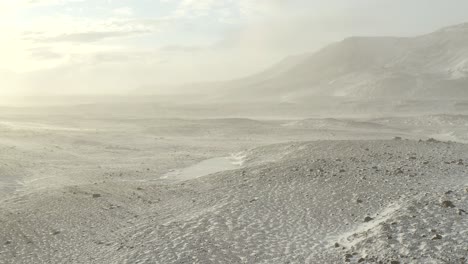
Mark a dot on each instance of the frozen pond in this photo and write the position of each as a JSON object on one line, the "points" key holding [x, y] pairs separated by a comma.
{"points": [[207, 167]]}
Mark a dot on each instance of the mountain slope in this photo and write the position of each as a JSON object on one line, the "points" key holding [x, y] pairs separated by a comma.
{"points": [[428, 66]]}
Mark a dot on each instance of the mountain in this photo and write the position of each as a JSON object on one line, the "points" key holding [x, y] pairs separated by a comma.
{"points": [[423, 67]]}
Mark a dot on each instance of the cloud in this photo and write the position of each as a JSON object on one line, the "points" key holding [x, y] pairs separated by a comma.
{"points": [[123, 11], [185, 48], [45, 53], [11, 7], [196, 7], [66, 29], [86, 36]]}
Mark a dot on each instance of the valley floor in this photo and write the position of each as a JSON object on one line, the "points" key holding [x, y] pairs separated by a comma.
{"points": [[98, 194]]}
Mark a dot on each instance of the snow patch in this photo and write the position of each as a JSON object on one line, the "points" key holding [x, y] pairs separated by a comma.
{"points": [[364, 230], [207, 167]]}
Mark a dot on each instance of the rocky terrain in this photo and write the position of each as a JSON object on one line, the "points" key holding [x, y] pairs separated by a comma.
{"points": [[390, 201]]}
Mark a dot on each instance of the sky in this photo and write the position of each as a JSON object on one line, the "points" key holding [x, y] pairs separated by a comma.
{"points": [[117, 46]]}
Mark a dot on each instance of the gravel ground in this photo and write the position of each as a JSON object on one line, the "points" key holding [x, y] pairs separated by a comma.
{"points": [[389, 201]]}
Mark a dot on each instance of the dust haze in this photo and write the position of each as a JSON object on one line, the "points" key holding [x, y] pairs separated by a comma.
{"points": [[233, 132]]}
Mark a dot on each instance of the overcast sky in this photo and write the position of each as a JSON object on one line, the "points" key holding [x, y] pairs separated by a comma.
{"points": [[102, 46]]}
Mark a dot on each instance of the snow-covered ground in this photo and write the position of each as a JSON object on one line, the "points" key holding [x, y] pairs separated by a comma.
{"points": [[236, 190]]}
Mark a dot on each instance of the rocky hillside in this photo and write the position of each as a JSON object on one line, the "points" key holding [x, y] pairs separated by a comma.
{"points": [[429, 66]]}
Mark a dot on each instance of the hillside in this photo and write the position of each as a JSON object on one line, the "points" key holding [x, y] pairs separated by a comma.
{"points": [[428, 66]]}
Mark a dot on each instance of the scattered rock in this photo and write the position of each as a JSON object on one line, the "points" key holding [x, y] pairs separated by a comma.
{"points": [[96, 195], [448, 204], [358, 201], [368, 219], [140, 189], [337, 245], [394, 262], [436, 237], [254, 200], [348, 257], [8, 242], [56, 232]]}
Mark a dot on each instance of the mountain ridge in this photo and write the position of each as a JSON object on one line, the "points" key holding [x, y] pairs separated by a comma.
{"points": [[433, 65]]}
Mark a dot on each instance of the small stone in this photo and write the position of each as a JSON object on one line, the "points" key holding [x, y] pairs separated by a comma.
{"points": [[395, 262], [8, 242], [448, 204], [437, 237], [361, 260], [337, 245], [253, 200], [368, 219], [358, 201], [140, 189], [96, 195], [397, 138]]}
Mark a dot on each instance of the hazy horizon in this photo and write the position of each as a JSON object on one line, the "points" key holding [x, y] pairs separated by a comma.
{"points": [[113, 47]]}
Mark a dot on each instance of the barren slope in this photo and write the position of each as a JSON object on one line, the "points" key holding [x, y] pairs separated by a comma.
{"points": [[315, 202]]}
